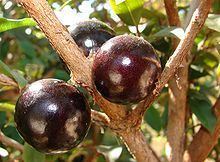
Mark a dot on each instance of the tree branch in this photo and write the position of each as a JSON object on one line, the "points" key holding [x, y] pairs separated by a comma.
{"points": [[100, 118], [10, 142], [136, 142], [204, 141], [67, 49], [172, 12], [178, 88], [5, 80], [80, 67], [196, 23]]}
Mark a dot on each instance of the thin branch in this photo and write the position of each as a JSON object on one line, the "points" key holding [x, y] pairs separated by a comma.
{"points": [[172, 12], [196, 23], [5, 80], [10, 142], [100, 118], [178, 88], [204, 141]]}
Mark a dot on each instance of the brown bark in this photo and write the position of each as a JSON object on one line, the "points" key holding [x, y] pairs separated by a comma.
{"points": [[63, 43], [178, 87], [136, 142], [196, 23], [5, 80], [80, 67], [120, 121], [10, 142], [204, 141]]}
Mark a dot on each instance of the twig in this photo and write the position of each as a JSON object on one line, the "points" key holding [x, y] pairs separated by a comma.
{"points": [[10, 142], [100, 118], [196, 23], [5, 80], [172, 12], [204, 141]]}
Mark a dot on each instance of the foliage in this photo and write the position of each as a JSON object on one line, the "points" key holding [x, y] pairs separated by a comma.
{"points": [[26, 56]]}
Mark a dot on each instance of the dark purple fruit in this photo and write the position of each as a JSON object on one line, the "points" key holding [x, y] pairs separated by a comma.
{"points": [[125, 69], [90, 35], [52, 116]]}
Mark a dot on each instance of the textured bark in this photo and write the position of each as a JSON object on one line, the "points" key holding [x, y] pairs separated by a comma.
{"points": [[80, 67], [185, 45], [5, 80], [204, 141], [67, 49], [120, 120], [136, 142], [178, 87], [10, 142]]}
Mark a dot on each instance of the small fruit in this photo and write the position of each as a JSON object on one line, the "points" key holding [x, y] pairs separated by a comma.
{"points": [[90, 35], [125, 69], [52, 116]]}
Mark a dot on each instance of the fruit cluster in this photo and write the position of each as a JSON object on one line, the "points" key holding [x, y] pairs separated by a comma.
{"points": [[54, 116]]}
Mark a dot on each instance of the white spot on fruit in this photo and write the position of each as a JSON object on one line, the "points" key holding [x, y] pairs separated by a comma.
{"points": [[71, 125], [38, 126], [115, 77]]}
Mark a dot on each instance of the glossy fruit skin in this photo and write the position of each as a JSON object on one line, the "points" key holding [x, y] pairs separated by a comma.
{"points": [[89, 35], [52, 116], [125, 69]]}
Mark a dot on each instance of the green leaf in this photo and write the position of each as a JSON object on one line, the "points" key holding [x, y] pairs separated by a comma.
{"points": [[152, 117], [206, 60], [213, 22], [16, 75], [4, 47], [8, 24], [202, 108], [128, 10], [28, 48], [164, 116], [32, 155], [170, 32], [195, 72]]}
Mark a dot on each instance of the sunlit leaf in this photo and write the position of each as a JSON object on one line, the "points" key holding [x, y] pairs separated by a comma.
{"points": [[7, 107], [8, 24], [170, 32], [128, 10], [32, 155], [3, 152], [213, 22]]}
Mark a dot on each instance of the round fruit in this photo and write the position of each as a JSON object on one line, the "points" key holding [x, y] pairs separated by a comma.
{"points": [[52, 116], [90, 35], [125, 69]]}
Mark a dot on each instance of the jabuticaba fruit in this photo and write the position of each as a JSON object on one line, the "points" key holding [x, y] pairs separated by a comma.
{"points": [[125, 69], [89, 35], [52, 116]]}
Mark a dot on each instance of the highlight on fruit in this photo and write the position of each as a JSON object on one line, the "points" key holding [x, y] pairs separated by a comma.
{"points": [[125, 69], [52, 116]]}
